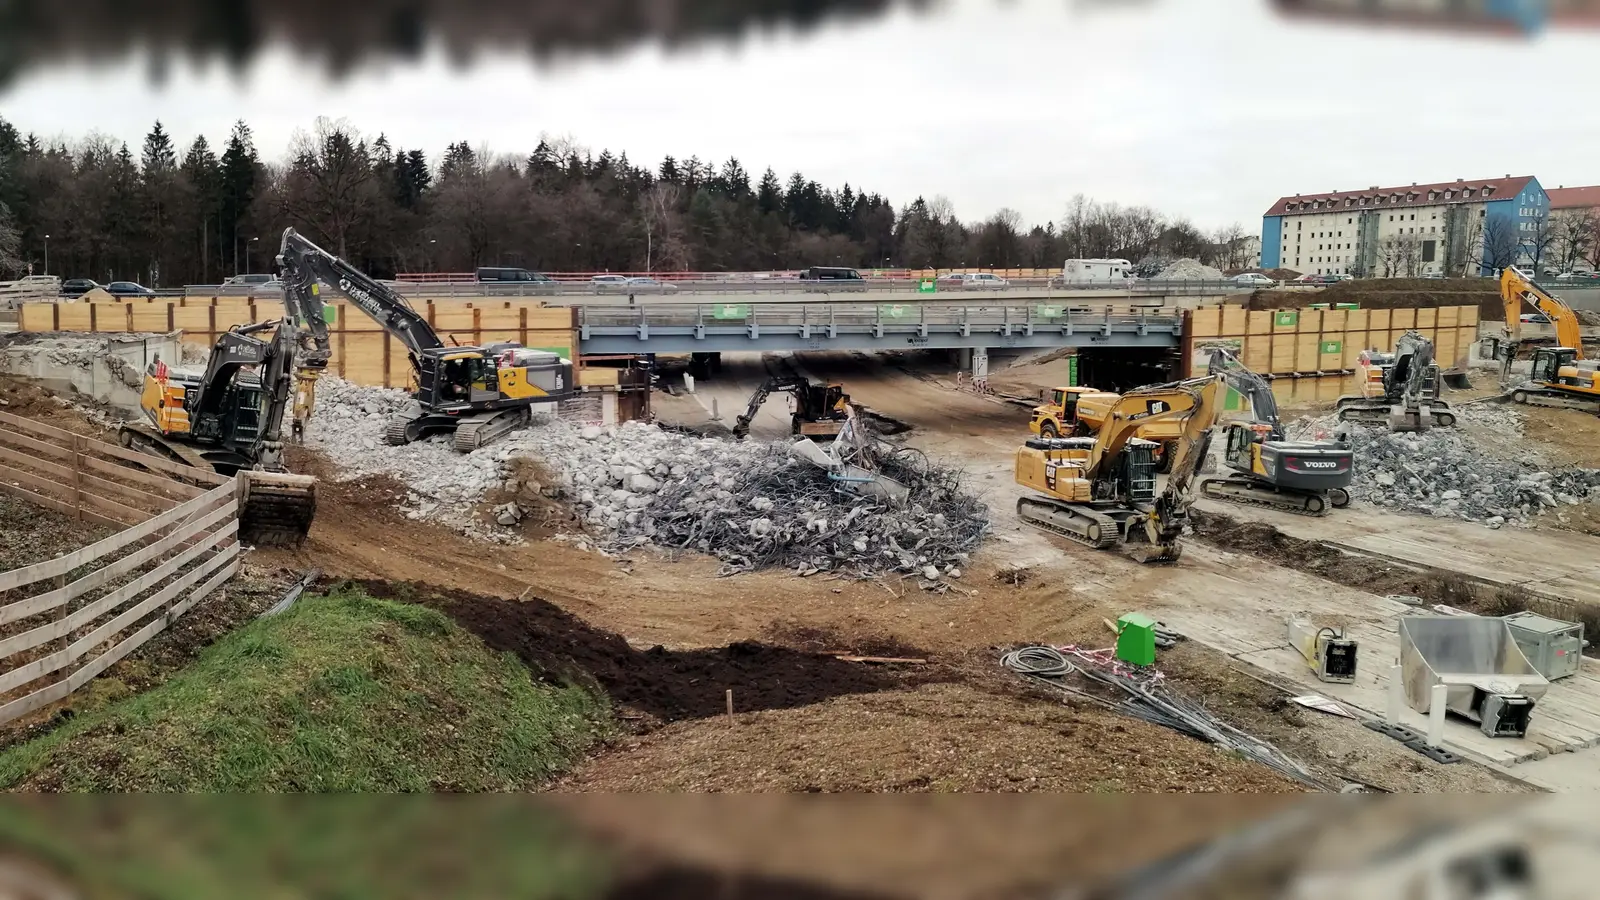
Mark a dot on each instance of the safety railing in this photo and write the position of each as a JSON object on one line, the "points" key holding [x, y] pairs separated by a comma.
{"points": [[840, 315]]}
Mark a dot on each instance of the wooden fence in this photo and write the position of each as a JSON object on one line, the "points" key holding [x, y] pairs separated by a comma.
{"points": [[362, 352], [73, 616]]}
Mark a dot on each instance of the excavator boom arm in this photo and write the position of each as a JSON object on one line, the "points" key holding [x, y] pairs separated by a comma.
{"points": [[303, 265], [1516, 288], [1263, 405], [1138, 408]]}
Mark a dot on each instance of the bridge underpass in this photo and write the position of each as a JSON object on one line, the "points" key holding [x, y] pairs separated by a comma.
{"points": [[1109, 338]]}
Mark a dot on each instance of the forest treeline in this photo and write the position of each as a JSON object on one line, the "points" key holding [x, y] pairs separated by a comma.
{"points": [[169, 215]]}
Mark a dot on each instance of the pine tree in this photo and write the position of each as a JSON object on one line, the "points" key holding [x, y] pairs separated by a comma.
{"points": [[669, 171], [201, 177], [240, 172], [769, 196]]}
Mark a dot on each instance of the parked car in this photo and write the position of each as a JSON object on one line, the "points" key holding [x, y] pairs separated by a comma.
{"points": [[251, 279], [648, 285], [609, 279], [77, 287], [1535, 319], [128, 289], [1253, 279], [1578, 276]]}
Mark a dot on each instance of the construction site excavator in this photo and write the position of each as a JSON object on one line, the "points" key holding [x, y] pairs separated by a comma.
{"points": [[1559, 376], [1101, 491], [478, 393], [228, 419], [1268, 469], [1399, 389], [820, 410]]}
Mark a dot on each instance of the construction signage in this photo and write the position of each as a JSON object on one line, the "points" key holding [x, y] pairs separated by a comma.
{"points": [[897, 311], [730, 311], [1287, 318], [927, 286], [1333, 346], [1048, 312]]}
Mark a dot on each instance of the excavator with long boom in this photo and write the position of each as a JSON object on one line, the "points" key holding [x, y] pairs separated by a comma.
{"points": [[1304, 477], [478, 393], [1400, 390], [1560, 376], [1101, 490], [820, 410], [228, 419]]}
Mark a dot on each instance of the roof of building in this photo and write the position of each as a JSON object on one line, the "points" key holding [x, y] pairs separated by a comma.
{"points": [[1409, 195], [1575, 197]]}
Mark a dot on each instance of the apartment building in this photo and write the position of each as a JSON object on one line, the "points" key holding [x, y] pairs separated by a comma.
{"points": [[1574, 200], [1449, 228]]}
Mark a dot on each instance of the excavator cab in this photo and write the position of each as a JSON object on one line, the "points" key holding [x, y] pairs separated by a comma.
{"points": [[1549, 361]]}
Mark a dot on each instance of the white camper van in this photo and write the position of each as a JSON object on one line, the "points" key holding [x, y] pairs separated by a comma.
{"points": [[1097, 271]]}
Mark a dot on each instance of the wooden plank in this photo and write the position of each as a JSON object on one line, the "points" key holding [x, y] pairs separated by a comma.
{"points": [[27, 443], [29, 606], [46, 431], [65, 563], [35, 481], [44, 665], [56, 469], [126, 514], [131, 494], [159, 463], [185, 491]]}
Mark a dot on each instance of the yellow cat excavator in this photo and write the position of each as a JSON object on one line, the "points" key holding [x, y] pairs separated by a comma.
{"points": [[1101, 491], [1560, 376]]}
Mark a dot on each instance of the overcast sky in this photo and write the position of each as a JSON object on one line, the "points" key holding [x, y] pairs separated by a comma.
{"points": [[1209, 109]]}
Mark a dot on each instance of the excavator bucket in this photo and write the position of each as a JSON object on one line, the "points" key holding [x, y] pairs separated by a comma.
{"points": [[275, 508], [1417, 418]]}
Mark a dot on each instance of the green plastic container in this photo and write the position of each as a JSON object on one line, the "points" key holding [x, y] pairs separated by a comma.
{"points": [[1136, 639]]}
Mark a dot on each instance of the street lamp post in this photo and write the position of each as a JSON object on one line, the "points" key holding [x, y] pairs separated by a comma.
{"points": [[247, 253], [47, 254]]}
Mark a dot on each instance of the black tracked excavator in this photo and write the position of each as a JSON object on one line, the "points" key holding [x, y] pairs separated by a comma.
{"points": [[477, 393], [820, 410], [228, 419], [1305, 477], [1399, 389]]}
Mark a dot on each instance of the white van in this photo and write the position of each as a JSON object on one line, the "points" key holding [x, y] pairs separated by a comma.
{"points": [[1104, 271]]}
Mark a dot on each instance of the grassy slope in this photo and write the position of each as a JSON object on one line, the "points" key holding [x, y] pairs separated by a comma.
{"points": [[341, 693]]}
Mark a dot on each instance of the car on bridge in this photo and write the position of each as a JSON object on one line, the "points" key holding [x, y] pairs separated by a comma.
{"points": [[973, 281], [77, 287], [1253, 279], [128, 289], [650, 286]]}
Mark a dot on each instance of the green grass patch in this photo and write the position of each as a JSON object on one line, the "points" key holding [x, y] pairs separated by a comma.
{"points": [[341, 693]]}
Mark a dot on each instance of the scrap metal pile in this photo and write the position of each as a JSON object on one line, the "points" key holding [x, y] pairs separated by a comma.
{"points": [[758, 506]]}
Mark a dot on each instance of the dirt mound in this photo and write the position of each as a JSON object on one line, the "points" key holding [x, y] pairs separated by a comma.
{"points": [[21, 397], [670, 685], [1391, 293]]}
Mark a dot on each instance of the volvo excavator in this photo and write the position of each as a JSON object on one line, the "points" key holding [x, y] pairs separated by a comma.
{"points": [[1559, 376], [477, 393], [1101, 491], [1400, 390], [228, 419], [1304, 477]]}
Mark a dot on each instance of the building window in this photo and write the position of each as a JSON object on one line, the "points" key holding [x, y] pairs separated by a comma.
{"points": [[1467, 192], [1428, 250], [1488, 190], [1391, 218], [1413, 217]]}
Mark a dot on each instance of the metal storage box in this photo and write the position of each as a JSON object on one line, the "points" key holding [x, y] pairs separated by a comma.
{"points": [[1477, 659], [1554, 647]]}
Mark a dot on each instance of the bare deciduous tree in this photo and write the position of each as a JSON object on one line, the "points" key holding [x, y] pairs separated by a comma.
{"points": [[329, 180], [1594, 243], [1538, 238], [665, 245], [1501, 243], [1573, 235]]}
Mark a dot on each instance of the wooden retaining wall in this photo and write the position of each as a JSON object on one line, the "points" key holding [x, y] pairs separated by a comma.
{"points": [[362, 352], [1286, 342]]}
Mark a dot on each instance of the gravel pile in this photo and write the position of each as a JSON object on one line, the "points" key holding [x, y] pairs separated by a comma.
{"points": [[752, 505], [1188, 270], [1444, 472]]}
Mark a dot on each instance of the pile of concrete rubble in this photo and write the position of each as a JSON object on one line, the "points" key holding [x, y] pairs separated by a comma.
{"points": [[750, 504], [1444, 472]]}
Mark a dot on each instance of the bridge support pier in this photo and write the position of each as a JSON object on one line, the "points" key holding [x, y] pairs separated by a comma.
{"points": [[976, 361]]}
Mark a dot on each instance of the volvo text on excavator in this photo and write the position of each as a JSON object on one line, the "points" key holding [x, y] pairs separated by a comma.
{"points": [[1305, 477], [1102, 490], [478, 393], [228, 419], [1400, 390], [820, 410], [1559, 376]]}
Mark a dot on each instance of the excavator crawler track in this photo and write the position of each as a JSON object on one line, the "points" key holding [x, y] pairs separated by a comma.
{"points": [[399, 432], [1247, 491], [1439, 415], [477, 431], [1075, 523], [1554, 399]]}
